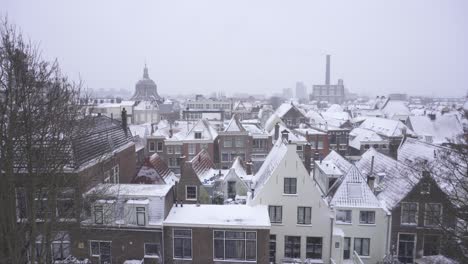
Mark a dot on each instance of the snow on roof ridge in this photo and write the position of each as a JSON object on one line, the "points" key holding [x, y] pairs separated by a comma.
{"points": [[354, 191], [277, 152], [234, 125]]}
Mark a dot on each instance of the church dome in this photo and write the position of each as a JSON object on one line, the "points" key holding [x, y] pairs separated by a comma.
{"points": [[146, 89]]}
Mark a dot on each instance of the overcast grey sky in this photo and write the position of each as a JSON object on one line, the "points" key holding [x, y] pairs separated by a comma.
{"points": [[377, 47]]}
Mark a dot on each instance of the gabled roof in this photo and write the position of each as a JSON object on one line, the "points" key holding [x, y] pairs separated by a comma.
{"points": [[441, 129], [234, 125], [363, 135], [204, 167], [204, 126], [338, 160], [354, 192], [386, 127], [277, 153], [394, 179], [293, 136], [395, 107], [284, 108], [412, 151], [148, 174]]}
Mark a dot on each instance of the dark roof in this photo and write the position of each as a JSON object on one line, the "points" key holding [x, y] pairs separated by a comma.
{"points": [[153, 171], [97, 136]]}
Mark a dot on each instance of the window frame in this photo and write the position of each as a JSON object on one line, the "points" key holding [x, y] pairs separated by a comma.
{"points": [[157, 255], [314, 245], [402, 213], [186, 193], [346, 216], [293, 244], [366, 212], [304, 221], [362, 239], [139, 212], [101, 211], [426, 207], [152, 146], [287, 188], [182, 237], [159, 146], [245, 239], [275, 209]]}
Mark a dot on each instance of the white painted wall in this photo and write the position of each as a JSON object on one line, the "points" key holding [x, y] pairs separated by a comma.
{"points": [[377, 233], [308, 194]]}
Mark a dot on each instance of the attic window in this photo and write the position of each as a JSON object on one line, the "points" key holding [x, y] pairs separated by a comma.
{"points": [[299, 147], [425, 188], [354, 190], [198, 135]]}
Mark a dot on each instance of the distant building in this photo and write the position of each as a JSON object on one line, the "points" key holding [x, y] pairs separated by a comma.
{"points": [[331, 93], [146, 89], [301, 90], [287, 93]]}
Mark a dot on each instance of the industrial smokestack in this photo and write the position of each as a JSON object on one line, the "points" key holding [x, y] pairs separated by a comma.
{"points": [[327, 74]]}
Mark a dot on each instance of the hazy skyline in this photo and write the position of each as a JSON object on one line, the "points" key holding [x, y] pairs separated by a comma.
{"points": [[377, 47]]}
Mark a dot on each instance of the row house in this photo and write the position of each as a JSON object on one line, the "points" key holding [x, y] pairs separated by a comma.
{"points": [[261, 143], [419, 206], [392, 131], [182, 139], [301, 221], [362, 224], [155, 171], [235, 141], [201, 182], [216, 234], [360, 140], [102, 152], [291, 115], [124, 223]]}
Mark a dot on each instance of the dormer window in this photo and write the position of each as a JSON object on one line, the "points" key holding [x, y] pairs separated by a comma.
{"points": [[425, 188], [141, 216], [98, 214], [198, 135]]}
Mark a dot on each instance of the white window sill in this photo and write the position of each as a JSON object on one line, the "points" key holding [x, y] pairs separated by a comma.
{"points": [[193, 200], [152, 256], [409, 224], [234, 260], [188, 259], [289, 194], [304, 225], [277, 224], [344, 223], [367, 224]]}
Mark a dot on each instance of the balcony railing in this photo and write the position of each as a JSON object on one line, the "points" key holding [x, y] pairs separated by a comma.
{"points": [[356, 258]]}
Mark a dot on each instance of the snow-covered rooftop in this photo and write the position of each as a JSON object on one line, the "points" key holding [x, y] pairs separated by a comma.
{"points": [[219, 216], [277, 153], [338, 161], [443, 128], [354, 192], [386, 127], [363, 135], [134, 190], [329, 167]]}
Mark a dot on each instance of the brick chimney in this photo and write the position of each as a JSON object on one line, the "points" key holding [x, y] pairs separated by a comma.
{"points": [[124, 120], [248, 167], [276, 131], [370, 176]]}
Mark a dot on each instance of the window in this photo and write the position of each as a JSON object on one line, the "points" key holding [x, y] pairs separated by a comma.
{"points": [[227, 143], [170, 149], [406, 247], [366, 146], [198, 135], [239, 142], [433, 214], [177, 149], [65, 202], [114, 174], [172, 162], [343, 216], [290, 185], [191, 149], [259, 143], [376, 146], [160, 146], [367, 217], [235, 245], [231, 189], [152, 250], [292, 246], [224, 156], [304, 215], [276, 213], [98, 214], [61, 246], [140, 214], [101, 249], [384, 146], [191, 192], [431, 245], [43, 211], [299, 148], [20, 203], [314, 248], [409, 213], [272, 248], [182, 243], [152, 147], [425, 188], [347, 248], [362, 246]]}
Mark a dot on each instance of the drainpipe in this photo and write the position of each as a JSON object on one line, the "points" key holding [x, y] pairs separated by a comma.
{"points": [[387, 248], [162, 245], [331, 236]]}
